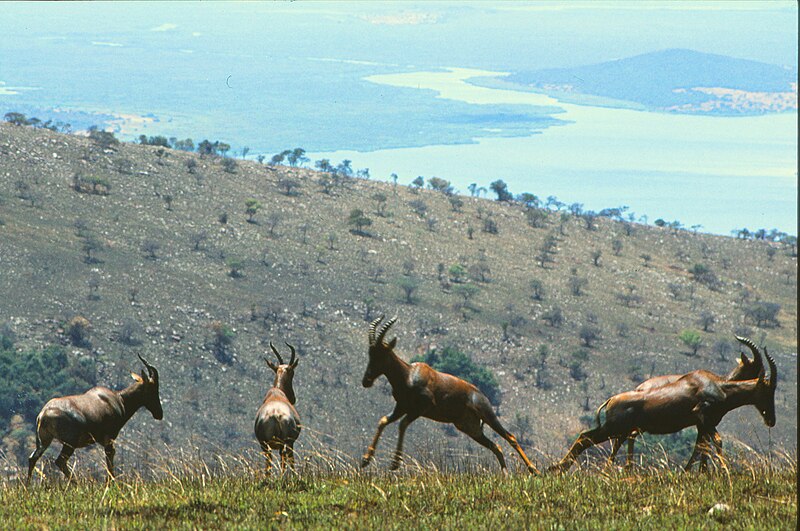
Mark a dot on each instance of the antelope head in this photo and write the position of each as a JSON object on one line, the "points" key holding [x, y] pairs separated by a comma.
{"points": [[747, 369], [765, 391], [149, 385], [284, 372], [379, 350]]}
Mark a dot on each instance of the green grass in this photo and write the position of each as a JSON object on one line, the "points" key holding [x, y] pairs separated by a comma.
{"points": [[760, 497]]}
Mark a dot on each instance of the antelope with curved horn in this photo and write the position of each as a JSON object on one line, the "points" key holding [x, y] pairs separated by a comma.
{"points": [[277, 421], [695, 399], [745, 370], [420, 391], [96, 416]]}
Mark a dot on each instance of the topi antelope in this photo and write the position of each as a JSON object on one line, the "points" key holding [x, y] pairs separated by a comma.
{"points": [[96, 416], [698, 399], [420, 391], [277, 422], [745, 370]]}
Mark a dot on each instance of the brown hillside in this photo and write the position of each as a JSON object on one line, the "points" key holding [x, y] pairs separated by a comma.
{"points": [[319, 294]]}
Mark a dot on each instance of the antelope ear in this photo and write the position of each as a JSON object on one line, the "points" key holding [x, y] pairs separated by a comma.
{"points": [[272, 366], [744, 360], [392, 343], [137, 377]]}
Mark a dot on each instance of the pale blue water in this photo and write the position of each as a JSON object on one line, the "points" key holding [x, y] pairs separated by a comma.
{"points": [[279, 75]]}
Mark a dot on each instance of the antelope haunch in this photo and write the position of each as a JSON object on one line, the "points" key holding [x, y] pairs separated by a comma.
{"points": [[695, 399], [421, 391], [96, 416], [745, 370], [277, 421]]}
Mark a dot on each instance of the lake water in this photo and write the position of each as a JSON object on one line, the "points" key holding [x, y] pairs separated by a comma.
{"points": [[346, 81], [719, 172]]}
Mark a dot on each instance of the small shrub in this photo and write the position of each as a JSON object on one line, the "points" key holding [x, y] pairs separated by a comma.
{"points": [[222, 337], [692, 339], [763, 314], [77, 330]]}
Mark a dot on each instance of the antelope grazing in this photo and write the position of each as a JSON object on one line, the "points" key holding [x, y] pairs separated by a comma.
{"points": [[277, 422], [96, 416], [698, 399], [420, 391], [745, 370]]}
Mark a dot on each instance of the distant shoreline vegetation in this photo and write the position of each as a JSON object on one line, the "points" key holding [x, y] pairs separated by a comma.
{"points": [[296, 158], [673, 81]]}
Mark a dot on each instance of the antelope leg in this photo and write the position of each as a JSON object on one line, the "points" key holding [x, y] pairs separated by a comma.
{"points": [[401, 434], [385, 421]]}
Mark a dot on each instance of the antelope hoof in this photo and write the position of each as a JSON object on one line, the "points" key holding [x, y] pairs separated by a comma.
{"points": [[395, 464], [532, 470], [365, 460]]}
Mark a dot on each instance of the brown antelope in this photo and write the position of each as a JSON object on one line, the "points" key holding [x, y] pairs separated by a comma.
{"points": [[420, 391], [96, 416], [277, 421], [745, 370], [698, 399]]}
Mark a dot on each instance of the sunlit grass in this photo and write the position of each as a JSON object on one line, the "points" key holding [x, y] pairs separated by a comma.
{"points": [[181, 490]]}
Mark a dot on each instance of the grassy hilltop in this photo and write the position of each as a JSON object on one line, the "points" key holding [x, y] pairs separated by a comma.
{"points": [[128, 243], [758, 499]]}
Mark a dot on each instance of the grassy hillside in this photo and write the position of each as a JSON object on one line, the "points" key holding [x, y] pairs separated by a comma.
{"points": [[148, 263]]}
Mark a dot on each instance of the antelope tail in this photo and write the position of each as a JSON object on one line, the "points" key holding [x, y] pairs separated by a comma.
{"points": [[599, 412]]}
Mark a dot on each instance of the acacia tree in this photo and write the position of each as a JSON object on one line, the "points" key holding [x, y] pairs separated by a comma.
{"points": [[409, 285], [692, 339], [380, 200], [440, 185], [252, 206], [359, 220], [537, 289], [500, 188]]}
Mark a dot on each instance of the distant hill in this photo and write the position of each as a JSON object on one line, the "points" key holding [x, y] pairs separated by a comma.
{"points": [[153, 247], [676, 80]]}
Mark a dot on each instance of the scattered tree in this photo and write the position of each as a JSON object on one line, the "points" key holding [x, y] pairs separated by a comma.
{"points": [[235, 267], [222, 337], [554, 317], [409, 285], [151, 247], [763, 314], [500, 188], [359, 220], [706, 320], [692, 339], [77, 330], [537, 290], [252, 206], [588, 334]]}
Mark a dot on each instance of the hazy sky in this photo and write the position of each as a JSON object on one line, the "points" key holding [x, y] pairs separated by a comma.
{"points": [[477, 34]]}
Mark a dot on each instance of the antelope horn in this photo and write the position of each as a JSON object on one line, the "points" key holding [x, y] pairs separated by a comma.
{"points": [[291, 361], [150, 369], [753, 348], [385, 328], [372, 327], [280, 360], [773, 370]]}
